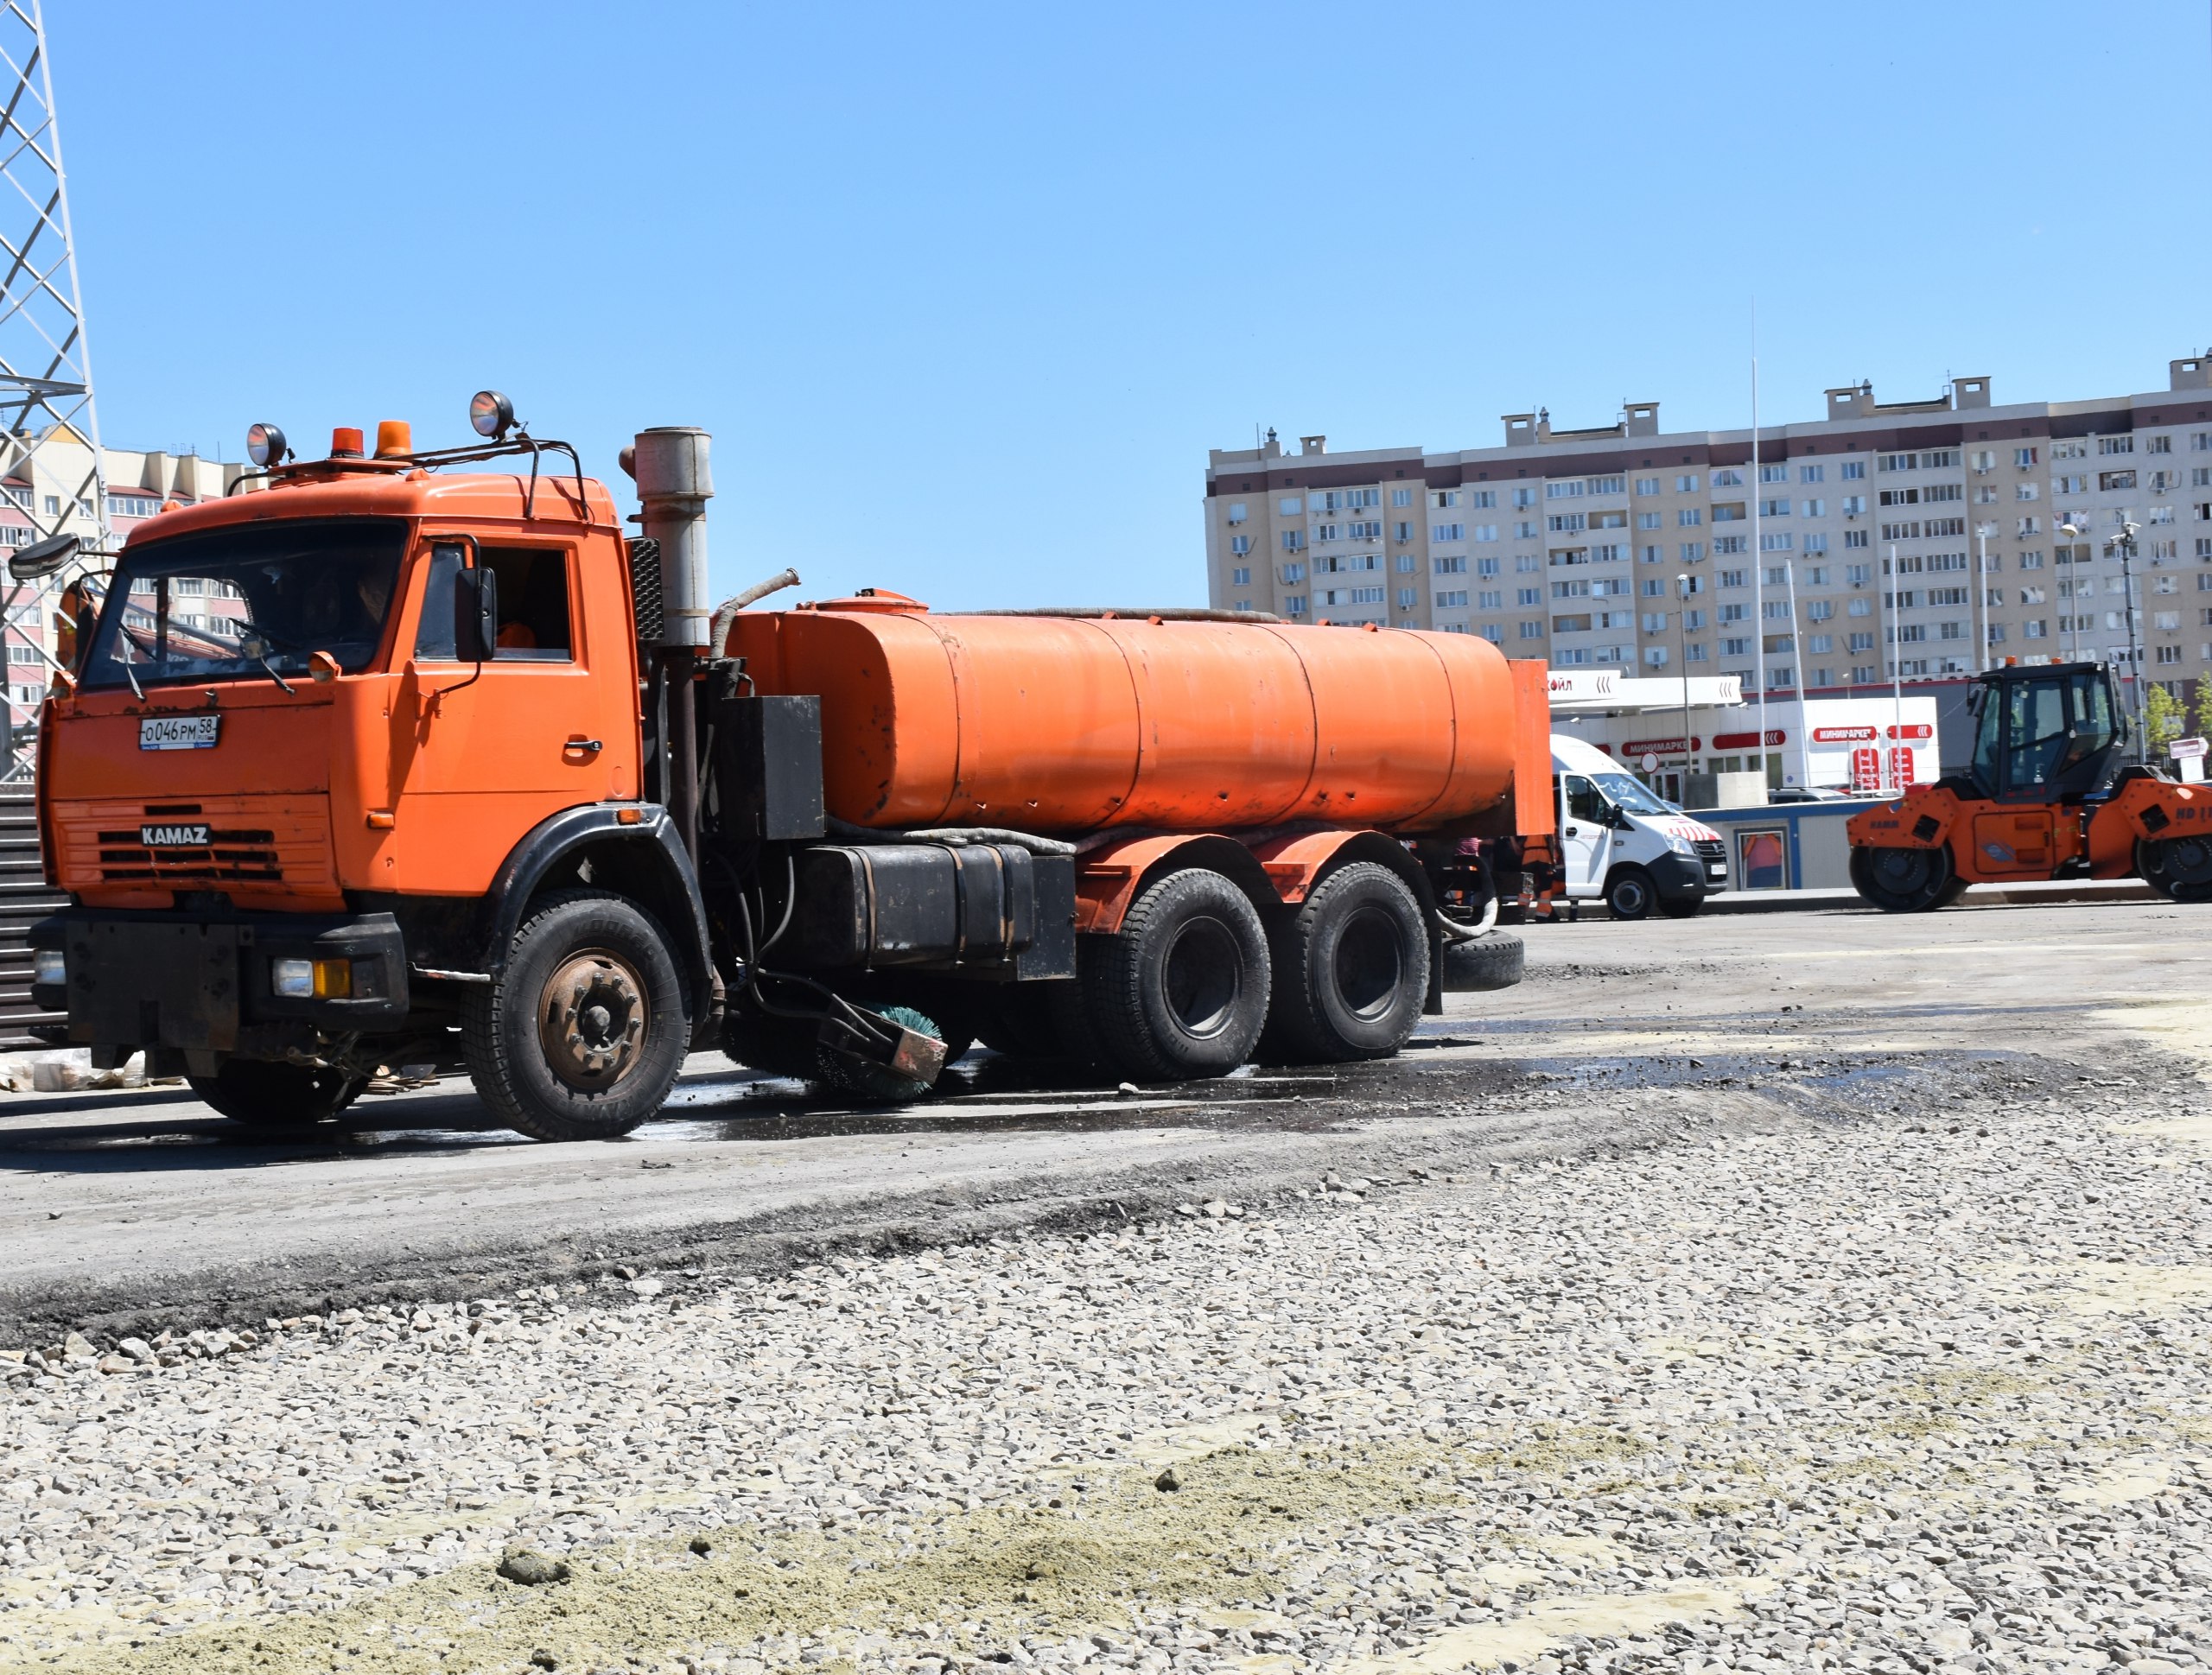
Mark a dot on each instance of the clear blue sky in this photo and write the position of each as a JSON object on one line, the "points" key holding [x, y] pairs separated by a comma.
{"points": [[966, 293]]}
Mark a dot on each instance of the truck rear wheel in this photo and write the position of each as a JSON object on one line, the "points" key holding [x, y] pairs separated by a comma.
{"points": [[1905, 880], [260, 1094], [1182, 991], [582, 1035], [1351, 969]]}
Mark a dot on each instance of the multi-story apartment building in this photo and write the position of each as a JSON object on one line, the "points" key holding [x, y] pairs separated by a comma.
{"points": [[51, 487], [1881, 540]]}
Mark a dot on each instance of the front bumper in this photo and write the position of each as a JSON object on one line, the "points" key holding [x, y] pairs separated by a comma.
{"points": [[202, 983], [1686, 878]]}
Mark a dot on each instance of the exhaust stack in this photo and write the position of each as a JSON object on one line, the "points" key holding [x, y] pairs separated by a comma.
{"points": [[674, 485]]}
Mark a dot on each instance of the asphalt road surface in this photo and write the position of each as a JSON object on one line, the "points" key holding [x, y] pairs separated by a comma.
{"points": [[144, 1211]]}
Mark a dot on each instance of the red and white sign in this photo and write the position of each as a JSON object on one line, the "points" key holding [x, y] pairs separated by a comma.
{"points": [[1910, 730], [2187, 750], [1866, 768], [1901, 766], [1743, 741], [1845, 735], [1660, 747]]}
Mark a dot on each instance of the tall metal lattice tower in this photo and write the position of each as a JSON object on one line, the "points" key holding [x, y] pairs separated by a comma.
{"points": [[51, 467]]}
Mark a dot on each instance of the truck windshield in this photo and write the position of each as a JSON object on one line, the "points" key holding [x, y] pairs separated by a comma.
{"points": [[1633, 795], [233, 603]]}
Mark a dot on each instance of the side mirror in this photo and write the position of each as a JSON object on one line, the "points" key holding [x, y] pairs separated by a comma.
{"points": [[476, 615], [43, 558]]}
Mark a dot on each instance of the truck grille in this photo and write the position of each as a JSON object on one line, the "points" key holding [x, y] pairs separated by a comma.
{"points": [[1709, 848], [279, 844], [226, 856]]}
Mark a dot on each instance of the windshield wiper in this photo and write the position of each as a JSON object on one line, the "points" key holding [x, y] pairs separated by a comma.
{"points": [[255, 644], [131, 676]]}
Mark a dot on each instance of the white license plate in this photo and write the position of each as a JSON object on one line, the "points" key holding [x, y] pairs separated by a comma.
{"points": [[174, 837], [178, 732]]}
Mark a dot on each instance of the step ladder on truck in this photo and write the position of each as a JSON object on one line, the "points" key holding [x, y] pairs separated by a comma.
{"points": [[385, 761]]}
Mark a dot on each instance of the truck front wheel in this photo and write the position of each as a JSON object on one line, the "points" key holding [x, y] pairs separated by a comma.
{"points": [[1181, 990], [277, 1096], [1351, 969], [582, 1035]]}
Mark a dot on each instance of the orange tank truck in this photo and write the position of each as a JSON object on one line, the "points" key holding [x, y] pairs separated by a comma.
{"points": [[468, 778]]}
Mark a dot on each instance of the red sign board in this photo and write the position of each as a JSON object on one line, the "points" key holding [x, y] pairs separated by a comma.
{"points": [[1845, 735], [1740, 741], [1911, 730], [1866, 768], [1635, 747]]}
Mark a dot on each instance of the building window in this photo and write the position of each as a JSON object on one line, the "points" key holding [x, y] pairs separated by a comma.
{"points": [[1401, 498], [1449, 567], [1531, 631], [1448, 599], [1290, 507], [1239, 544]]}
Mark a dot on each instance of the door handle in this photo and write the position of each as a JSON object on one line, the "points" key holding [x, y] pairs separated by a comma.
{"points": [[590, 746]]}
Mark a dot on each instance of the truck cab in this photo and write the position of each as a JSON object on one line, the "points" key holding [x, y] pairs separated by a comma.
{"points": [[1621, 842]]}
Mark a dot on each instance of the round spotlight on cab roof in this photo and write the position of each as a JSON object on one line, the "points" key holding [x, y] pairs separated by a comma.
{"points": [[264, 445], [491, 415]]}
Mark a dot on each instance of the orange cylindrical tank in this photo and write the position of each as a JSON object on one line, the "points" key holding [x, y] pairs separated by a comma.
{"points": [[1062, 724]]}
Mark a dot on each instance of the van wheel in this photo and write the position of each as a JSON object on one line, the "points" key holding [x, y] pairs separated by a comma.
{"points": [[1181, 990], [581, 1037], [1351, 969], [261, 1095], [1630, 893]]}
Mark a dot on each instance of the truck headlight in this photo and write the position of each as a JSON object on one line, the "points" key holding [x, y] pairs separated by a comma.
{"points": [[1680, 846], [49, 965], [311, 980]]}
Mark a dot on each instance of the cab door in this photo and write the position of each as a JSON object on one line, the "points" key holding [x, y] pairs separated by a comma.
{"points": [[1586, 834], [497, 746]]}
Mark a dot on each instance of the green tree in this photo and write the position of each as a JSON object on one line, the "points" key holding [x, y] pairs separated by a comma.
{"points": [[2161, 719], [2202, 714]]}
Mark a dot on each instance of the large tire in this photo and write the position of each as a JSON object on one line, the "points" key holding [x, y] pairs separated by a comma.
{"points": [[259, 1094], [1900, 880], [581, 1037], [1630, 894], [1181, 990], [2180, 868], [1351, 970], [1494, 962]]}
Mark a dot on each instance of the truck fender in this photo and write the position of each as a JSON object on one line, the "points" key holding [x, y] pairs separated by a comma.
{"points": [[1106, 879], [641, 858]]}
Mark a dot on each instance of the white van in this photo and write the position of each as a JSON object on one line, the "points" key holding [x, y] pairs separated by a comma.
{"points": [[1620, 841]]}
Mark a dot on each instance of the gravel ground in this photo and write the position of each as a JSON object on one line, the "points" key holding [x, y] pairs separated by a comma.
{"points": [[1881, 1395]]}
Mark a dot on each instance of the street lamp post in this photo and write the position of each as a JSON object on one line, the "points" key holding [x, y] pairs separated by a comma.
{"points": [[1682, 651], [1982, 597], [2123, 542], [2072, 532]]}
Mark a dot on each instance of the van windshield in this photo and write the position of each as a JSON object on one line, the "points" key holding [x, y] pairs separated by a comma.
{"points": [[235, 603], [1633, 795]]}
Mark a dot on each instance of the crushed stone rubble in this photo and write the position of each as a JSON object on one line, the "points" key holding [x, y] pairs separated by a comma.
{"points": [[1906, 1395]]}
